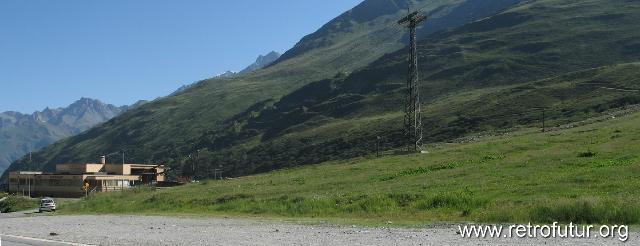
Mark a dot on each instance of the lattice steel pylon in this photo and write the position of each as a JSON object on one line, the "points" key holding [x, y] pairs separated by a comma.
{"points": [[412, 110]]}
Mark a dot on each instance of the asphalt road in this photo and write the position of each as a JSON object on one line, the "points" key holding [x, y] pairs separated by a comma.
{"points": [[10, 240], [16, 240], [41, 229]]}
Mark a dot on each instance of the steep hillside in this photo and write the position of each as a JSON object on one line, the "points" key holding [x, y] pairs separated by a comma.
{"points": [[340, 121], [165, 130], [20, 133], [492, 74]]}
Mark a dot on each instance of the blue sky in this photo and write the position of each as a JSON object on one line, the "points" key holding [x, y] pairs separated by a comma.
{"points": [[119, 51]]}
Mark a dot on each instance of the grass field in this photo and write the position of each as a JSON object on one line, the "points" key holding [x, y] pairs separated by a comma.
{"points": [[585, 174]]}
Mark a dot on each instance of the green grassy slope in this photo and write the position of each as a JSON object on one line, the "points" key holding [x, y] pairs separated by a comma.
{"points": [[291, 135], [584, 174], [162, 131], [468, 86]]}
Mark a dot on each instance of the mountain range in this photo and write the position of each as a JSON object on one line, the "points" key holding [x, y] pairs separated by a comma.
{"points": [[24, 133], [484, 66], [261, 62]]}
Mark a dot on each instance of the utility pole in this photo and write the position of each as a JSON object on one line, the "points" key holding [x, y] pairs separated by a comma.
{"points": [[193, 167], [543, 120], [198, 159], [378, 138], [413, 117], [221, 170], [544, 117]]}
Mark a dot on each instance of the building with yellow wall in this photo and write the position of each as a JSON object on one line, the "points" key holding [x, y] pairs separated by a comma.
{"points": [[76, 180]]}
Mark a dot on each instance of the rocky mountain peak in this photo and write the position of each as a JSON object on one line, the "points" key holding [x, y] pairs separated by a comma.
{"points": [[261, 62], [34, 131]]}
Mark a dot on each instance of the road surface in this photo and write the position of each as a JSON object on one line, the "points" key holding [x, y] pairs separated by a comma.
{"points": [[10, 240], [159, 230]]}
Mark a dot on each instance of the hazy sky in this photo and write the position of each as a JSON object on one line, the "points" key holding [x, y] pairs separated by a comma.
{"points": [[119, 51]]}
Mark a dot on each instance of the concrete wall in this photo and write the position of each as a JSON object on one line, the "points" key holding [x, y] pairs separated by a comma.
{"points": [[79, 168], [118, 169], [59, 185], [47, 185]]}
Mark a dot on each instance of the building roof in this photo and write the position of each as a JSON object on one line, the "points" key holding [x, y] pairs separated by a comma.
{"points": [[26, 172]]}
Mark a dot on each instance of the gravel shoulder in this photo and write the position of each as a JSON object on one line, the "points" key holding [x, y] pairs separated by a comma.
{"points": [[160, 230]]}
